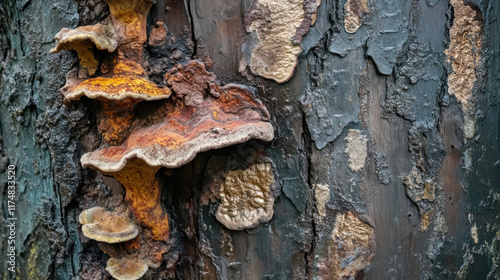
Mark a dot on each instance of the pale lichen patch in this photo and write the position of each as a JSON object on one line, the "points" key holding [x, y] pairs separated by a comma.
{"points": [[246, 197], [473, 233], [464, 56], [322, 196], [469, 127], [279, 26], [421, 190], [356, 149], [425, 221], [353, 14], [351, 248]]}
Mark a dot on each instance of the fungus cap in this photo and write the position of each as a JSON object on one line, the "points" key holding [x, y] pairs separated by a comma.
{"points": [[107, 226], [82, 39], [118, 88], [126, 268], [235, 117], [102, 36]]}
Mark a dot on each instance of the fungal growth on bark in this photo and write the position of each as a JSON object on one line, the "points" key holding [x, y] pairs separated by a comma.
{"points": [[142, 192], [126, 268], [118, 100], [122, 82], [201, 116], [83, 39], [246, 197], [233, 117], [107, 226]]}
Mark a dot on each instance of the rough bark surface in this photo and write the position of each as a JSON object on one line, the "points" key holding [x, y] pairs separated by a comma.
{"points": [[380, 171]]}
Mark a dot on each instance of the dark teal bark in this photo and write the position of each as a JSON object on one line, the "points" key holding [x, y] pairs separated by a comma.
{"points": [[388, 80]]}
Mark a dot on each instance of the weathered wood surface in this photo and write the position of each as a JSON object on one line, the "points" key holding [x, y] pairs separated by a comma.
{"points": [[387, 85]]}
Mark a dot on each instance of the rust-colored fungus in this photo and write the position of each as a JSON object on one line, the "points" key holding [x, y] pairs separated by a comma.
{"points": [[202, 116], [233, 117], [158, 35], [107, 226], [126, 268], [83, 39], [123, 82], [217, 117], [191, 82], [118, 97], [142, 192]]}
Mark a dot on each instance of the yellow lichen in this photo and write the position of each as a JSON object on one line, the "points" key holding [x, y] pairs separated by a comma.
{"points": [[118, 88], [246, 197]]}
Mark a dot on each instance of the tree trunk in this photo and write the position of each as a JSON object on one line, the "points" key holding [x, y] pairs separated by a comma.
{"points": [[385, 162]]}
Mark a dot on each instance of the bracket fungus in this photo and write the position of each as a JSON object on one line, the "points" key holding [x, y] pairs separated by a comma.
{"points": [[83, 39], [142, 192], [133, 258], [126, 268], [202, 116], [107, 226], [118, 97], [233, 117], [123, 81]]}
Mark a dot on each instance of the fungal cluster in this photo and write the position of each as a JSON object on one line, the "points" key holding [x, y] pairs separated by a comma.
{"points": [[202, 115]]}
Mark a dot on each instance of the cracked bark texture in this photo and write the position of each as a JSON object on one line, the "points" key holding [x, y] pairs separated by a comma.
{"points": [[387, 79]]}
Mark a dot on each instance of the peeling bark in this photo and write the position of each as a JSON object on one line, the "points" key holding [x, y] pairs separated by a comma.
{"points": [[385, 161]]}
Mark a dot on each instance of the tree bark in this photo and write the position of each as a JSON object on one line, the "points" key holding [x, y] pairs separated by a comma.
{"points": [[385, 154]]}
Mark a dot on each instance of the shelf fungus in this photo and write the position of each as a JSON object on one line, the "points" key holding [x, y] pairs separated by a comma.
{"points": [[122, 82], [107, 226], [132, 259], [246, 197], [118, 96], [83, 39], [226, 116], [142, 191], [126, 268]]}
